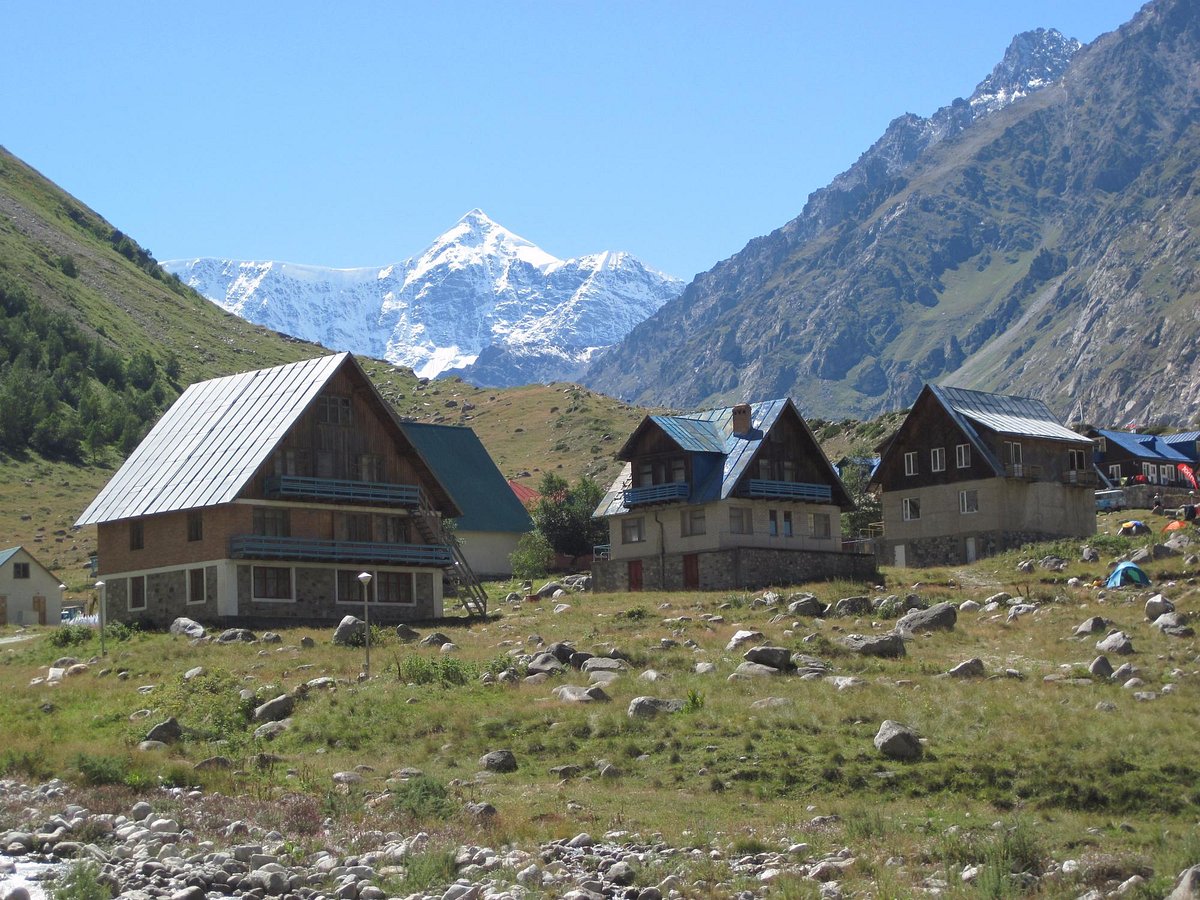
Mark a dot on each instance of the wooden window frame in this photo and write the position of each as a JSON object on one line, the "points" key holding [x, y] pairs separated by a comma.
{"points": [[137, 535], [910, 463], [937, 459], [254, 584], [965, 506], [908, 505], [962, 456], [139, 580], [633, 531], [191, 599]]}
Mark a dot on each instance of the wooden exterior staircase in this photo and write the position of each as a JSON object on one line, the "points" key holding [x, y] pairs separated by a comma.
{"points": [[459, 573]]}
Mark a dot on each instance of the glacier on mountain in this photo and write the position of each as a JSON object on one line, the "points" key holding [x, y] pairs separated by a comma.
{"points": [[477, 288]]}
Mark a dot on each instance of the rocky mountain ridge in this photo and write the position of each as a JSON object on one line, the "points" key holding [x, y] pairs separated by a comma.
{"points": [[1017, 240], [480, 301]]}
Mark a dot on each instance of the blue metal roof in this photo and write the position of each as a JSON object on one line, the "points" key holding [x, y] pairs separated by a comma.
{"points": [[6, 555], [711, 432], [1144, 446], [1185, 442]]}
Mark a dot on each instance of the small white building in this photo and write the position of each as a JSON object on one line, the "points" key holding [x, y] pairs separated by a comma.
{"points": [[29, 592]]}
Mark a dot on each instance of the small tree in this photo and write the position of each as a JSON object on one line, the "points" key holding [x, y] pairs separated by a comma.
{"points": [[533, 557], [868, 509], [563, 515]]}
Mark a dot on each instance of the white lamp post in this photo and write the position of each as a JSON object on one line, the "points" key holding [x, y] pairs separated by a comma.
{"points": [[101, 597], [365, 578], [62, 599]]}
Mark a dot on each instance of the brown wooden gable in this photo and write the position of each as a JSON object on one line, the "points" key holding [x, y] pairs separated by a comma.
{"points": [[928, 425], [790, 440]]}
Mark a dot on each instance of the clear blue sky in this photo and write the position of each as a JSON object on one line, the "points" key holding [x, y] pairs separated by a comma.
{"points": [[352, 134]]}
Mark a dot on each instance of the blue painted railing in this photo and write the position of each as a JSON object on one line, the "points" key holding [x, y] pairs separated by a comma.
{"points": [[342, 489], [255, 546], [791, 490], [657, 493]]}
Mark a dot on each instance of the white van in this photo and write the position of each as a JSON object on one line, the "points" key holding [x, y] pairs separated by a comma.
{"points": [[1110, 501]]}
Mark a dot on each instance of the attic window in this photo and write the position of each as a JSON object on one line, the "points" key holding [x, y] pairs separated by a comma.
{"points": [[20, 570], [962, 456], [334, 411]]}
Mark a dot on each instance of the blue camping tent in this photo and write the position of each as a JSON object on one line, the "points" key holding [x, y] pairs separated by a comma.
{"points": [[1127, 573]]}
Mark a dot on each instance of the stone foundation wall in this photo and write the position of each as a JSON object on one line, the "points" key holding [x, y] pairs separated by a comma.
{"points": [[742, 568], [952, 549], [316, 601]]}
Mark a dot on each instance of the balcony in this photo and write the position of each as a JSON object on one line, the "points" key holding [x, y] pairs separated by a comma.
{"points": [[790, 490], [255, 546], [1081, 477], [656, 493], [342, 490], [1018, 470]]}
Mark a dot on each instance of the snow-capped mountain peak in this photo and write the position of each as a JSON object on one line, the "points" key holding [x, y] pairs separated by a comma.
{"points": [[478, 288]]}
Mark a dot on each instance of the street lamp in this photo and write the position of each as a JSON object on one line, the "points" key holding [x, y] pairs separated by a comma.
{"points": [[365, 579], [100, 595], [62, 599]]}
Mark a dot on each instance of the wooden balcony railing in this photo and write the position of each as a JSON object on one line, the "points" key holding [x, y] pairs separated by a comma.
{"points": [[790, 490], [293, 549], [342, 490], [657, 493]]}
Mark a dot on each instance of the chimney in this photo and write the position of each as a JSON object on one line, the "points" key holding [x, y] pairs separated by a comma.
{"points": [[741, 418]]}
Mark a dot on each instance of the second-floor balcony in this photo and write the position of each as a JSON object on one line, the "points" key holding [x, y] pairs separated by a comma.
{"points": [[657, 493], [297, 549], [790, 490], [1020, 470], [342, 490], [1081, 477]]}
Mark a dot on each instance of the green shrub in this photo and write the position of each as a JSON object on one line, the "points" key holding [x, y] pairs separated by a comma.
{"points": [[81, 881], [97, 768], [210, 702], [70, 635], [416, 669], [533, 557], [422, 871], [423, 798]]}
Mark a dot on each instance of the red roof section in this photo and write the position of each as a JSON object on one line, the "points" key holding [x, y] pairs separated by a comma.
{"points": [[525, 494]]}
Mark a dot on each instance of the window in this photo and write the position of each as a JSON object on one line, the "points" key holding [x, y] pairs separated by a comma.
{"points": [[691, 521], [272, 583], [912, 509], [910, 463], [773, 523], [289, 462], [1102, 445], [271, 521], [678, 470], [820, 525], [370, 467], [645, 474], [1150, 470], [1077, 460], [1165, 473], [1114, 472], [394, 587], [137, 593], [1012, 453], [391, 529], [195, 525], [20, 570], [937, 459], [962, 456], [334, 411], [741, 520], [787, 523], [968, 502], [633, 531], [356, 527], [350, 589], [137, 535], [195, 587]]}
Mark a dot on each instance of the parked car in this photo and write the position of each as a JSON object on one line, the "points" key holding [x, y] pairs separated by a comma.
{"points": [[1110, 501], [70, 613]]}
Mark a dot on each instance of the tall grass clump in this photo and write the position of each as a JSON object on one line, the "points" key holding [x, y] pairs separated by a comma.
{"points": [[81, 881]]}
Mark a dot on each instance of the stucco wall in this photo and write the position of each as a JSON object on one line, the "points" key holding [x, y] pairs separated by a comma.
{"points": [[18, 593], [488, 552]]}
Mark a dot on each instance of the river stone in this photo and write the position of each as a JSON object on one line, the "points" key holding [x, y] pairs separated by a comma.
{"points": [[753, 670], [214, 762], [350, 631], [406, 633], [852, 606], [1156, 606], [274, 710], [194, 672], [603, 664], [499, 761], [969, 606], [167, 732], [236, 635], [271, 730], [151, 746], [940, 616], [1174, 624], [649, 707], [897, 741], [561, 650], [971, 668], [888, 645], [307, 643], [575, 693], [1117, 642], [545, 664], [1094, 625], [742, 637], [1101, 667], [775, 657], [187, 627], [1188, 885], [807, 606]]}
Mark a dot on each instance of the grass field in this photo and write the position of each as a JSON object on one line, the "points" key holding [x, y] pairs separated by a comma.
{"points": [[1019, 772]]}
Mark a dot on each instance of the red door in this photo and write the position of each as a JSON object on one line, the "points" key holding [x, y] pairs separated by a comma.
{"points": [[635, 575], [691, 572]]}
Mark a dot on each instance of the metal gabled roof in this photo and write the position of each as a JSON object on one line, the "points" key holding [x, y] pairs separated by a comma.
{"points": [[211, 441], [1144, 446], [6, 555], [1022, 416], [458, 458], [704, 429]]}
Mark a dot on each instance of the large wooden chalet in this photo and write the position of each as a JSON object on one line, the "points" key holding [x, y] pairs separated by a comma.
{"points": [[738, 497], [1123, 456], [970, 474], [263, 496]]}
